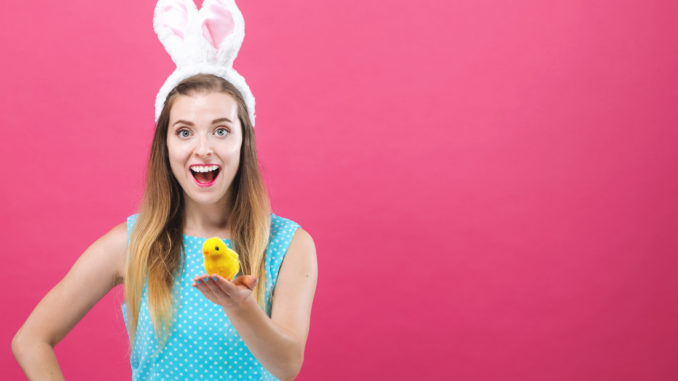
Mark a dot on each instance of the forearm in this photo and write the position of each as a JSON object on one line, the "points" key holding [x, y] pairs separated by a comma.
{"points": [[278, 351], [37, 360]]}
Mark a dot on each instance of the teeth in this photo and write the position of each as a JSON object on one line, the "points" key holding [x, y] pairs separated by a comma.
{"points": [[206, 168]]}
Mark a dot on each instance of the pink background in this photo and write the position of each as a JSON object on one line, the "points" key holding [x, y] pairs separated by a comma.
{"points": [[491, 185]]}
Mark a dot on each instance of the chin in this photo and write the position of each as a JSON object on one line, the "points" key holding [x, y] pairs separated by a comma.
{"points": [[205, 198]]}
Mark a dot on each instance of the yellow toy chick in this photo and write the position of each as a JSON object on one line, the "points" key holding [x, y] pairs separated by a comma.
{"points": [[219, 259]]}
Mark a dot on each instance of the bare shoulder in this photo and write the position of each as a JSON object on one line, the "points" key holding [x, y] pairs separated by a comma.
{"points": [[108, 254], [115, 242], [301, 258], [302, 240]]}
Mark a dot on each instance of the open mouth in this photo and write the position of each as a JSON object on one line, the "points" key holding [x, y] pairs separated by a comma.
{"points": [[205, 174]]}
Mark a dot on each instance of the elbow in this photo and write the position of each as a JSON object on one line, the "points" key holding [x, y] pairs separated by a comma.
{"points": [[23, 343], [17, 346], [294, 367]]}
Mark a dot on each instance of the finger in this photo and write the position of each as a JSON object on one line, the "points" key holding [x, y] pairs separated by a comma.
{"points": [[201, 278], [215, 286], [223, 280], [249, 281], [229, 288], [200, 284], [205, 291]]}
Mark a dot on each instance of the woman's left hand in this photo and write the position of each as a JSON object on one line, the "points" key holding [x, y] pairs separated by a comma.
{"points": [[224, 293]]}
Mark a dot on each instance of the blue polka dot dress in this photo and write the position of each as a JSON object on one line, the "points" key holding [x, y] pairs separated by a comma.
{"points": [[202, 343]]}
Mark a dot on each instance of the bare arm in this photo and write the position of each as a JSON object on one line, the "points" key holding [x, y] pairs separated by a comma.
{"points": [[96, 272], [277, 342]]}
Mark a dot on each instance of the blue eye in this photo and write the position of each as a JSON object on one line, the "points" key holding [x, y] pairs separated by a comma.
{"points": [[222, 131], [181, 133]]}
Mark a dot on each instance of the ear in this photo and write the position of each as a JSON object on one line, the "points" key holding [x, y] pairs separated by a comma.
{"points": [[170, 21], [217, 22]]}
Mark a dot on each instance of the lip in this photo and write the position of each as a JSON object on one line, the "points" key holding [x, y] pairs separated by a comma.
{"points": [[207, 185]]}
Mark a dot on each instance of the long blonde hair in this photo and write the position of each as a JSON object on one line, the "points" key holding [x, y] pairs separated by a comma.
{"points": [[156, 242]]}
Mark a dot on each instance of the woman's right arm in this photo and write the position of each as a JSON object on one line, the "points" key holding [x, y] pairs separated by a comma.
{"points": [[97, 271]]}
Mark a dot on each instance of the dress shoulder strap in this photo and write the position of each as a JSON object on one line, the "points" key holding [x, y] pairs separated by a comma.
{"points": [[282, 232], [130, 224]]}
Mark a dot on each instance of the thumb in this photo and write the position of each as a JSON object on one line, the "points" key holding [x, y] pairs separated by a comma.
{"points": [[249, 281]]}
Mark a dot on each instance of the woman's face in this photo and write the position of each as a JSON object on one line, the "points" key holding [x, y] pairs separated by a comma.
{"points": [[203, 142]]}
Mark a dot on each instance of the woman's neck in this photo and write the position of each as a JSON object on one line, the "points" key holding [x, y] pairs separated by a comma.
{"points": [[206, 220]]}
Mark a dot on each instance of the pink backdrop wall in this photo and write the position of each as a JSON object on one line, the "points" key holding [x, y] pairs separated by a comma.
{"points": [[491, 185]]}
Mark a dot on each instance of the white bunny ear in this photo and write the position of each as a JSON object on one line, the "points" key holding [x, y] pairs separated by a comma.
{"points": [[171, 21], [224, 28], [201, 42], [217, 23]]}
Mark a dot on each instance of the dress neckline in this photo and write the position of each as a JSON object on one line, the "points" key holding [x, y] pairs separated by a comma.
{"points": [[223, 239], [205, 238]]}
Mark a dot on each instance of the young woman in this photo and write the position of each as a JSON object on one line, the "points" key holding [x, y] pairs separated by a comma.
{"points": [[203, 181]]}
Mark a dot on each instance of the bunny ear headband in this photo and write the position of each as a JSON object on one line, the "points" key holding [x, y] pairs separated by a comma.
{"points": [[201, 41]]}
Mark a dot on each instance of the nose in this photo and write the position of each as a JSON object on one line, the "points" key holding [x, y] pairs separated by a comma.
{"points": [[204, 147]]}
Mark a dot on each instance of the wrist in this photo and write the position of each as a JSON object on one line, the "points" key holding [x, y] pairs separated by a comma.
{"points": [[240, 307]]}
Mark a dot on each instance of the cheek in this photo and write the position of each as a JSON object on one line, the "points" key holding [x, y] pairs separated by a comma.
{"points": [[176, 150], [231, 152], [177, 170], [177, 158], [234, 153]]}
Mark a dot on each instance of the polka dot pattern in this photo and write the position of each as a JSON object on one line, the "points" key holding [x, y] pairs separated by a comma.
{"points": [[202, 343]]}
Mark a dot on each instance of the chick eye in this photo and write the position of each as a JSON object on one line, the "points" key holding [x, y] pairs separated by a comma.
{"points": [[221, 131], [183, 133]]}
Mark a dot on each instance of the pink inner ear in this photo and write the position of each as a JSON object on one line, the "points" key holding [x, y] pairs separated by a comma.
{"points": [[176, 32], [218, 24], [175, 19]]}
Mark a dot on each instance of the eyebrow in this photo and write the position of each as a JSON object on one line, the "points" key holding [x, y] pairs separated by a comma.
{"points": [[213, 122]]}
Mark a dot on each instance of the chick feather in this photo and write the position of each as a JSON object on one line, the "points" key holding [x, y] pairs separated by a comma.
{"points": [[219, 259]]}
